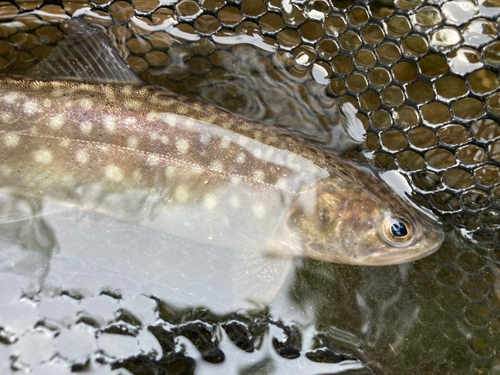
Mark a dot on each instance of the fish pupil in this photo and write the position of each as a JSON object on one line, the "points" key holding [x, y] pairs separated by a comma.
{"points": [[398, 229]]}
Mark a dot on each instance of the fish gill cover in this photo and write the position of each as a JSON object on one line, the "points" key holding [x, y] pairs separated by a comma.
{"points": [[420, 77]]}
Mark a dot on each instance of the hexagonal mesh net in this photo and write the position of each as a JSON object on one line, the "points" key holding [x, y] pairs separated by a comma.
{"points": [[421, 77]]}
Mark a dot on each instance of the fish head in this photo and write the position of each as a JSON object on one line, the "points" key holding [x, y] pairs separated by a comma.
{"points": [[349, 222]]}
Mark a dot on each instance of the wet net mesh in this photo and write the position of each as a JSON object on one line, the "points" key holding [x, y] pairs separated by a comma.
{"points": [[422, 78]]}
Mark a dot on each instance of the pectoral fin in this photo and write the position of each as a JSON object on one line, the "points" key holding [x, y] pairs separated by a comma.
{"points": [[258, 275]]}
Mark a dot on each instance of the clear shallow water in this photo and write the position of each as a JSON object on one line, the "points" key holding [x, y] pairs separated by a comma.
{"points": [[81, 253]]}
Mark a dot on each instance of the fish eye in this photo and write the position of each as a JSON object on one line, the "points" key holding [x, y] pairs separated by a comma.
{"points": [[397, 231]]}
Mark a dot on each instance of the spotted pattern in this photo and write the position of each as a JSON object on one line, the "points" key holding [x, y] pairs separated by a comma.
{"points": [[43, 156], [30, 107], [11, 140], [110, 124], [57, 121], [94, 139], [113, 173]]}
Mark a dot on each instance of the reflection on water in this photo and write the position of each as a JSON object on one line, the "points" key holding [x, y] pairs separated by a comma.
{"points": [[61, 249]]}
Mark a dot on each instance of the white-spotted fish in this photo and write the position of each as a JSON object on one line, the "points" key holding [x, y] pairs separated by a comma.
{"points": [[199, 172]]}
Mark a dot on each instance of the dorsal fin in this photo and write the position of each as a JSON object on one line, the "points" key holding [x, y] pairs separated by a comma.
{"points": [[84, 55]]}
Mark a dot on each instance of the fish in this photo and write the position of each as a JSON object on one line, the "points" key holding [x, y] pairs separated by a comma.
{"points": [[180, 165]]}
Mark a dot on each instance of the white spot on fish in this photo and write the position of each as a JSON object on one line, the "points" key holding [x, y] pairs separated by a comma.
{"points": [[57, 93], [127, 90], [216, 166], [153, 160], [36, 86], [196, 169], [205, 139], [167, 118], [225, 143], [43, 156], [11, 98], [86, 127], [282, 183], [259, 210], [65, 143], [240, 158], [235, 179], [86, 104], [113, 173], [170, 172], [81, 156], [189, 123], [181, 194], [137, 176], [164, 139], [235, 201], [182, 146], [57, 122], [154, 136], [259, 176], [257, 153], [11, 139], [133, 104], [209, 201], [110, 95], [152, 117], [103, 148], [109, 124], [132, 142], [30, 107]]}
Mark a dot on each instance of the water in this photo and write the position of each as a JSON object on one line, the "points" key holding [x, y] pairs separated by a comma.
{"points": [[116, 293]]}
